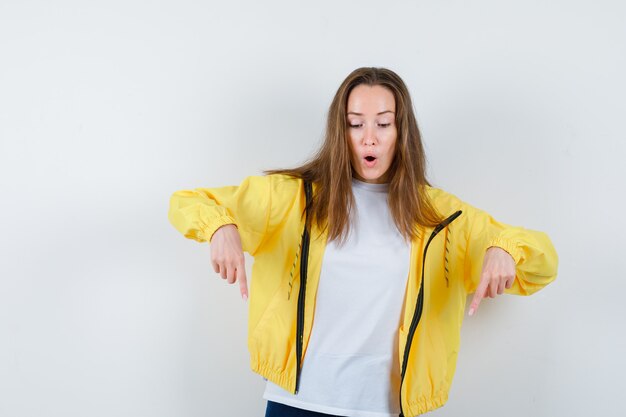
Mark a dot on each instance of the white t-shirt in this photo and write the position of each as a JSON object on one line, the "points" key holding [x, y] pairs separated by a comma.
{"points": [[351, 363]]}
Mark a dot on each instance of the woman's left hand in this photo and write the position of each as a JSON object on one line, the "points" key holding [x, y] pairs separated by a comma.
{"points": [[498, 273]]}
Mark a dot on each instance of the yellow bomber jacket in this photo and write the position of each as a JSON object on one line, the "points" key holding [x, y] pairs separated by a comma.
{"points": [[267, 211]]}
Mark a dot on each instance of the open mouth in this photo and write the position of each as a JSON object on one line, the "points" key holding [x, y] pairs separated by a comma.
{"points": [[370, 158]]}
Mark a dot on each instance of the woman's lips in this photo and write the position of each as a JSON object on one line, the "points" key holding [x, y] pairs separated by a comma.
{"points": [[371, 163]]}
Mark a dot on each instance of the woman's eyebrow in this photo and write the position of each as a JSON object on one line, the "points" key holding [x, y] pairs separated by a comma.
{"points": [[361, 114]]}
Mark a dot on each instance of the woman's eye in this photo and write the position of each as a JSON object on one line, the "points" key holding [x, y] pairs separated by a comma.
{"points": [[357, 125]]}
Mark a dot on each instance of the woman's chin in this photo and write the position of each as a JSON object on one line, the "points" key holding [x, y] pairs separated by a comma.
{"points": [[372, 177]]}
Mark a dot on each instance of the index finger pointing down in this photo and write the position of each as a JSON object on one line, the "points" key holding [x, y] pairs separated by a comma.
{"points": [[243, 282], [478, 296]]}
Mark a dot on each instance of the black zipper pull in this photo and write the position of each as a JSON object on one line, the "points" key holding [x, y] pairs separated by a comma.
{"points": [[446, 222]]}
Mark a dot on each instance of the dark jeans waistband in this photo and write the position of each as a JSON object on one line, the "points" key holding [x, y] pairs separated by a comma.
{"points": [[275, 409]]}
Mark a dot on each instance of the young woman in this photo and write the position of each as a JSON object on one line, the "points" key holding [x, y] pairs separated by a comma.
{"points": [[361, 268]]}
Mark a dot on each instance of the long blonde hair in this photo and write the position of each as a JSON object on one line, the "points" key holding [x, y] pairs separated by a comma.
{"points": [[331, 170]]}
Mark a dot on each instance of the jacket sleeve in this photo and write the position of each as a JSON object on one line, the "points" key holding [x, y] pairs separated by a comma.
{"points": [[535, 257], [198, 213]]}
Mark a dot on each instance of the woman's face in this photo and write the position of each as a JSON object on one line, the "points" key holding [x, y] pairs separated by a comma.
{"points": [[372, 132]]}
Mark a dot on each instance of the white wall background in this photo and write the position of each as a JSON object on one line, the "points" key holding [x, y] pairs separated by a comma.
{"points": [[107, 107]]}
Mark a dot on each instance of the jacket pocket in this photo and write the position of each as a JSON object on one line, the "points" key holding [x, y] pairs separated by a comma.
{"points": [[273, 337], [402, 335], [427, 368]]}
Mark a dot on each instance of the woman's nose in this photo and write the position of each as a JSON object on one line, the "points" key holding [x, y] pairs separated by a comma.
{"points": [[369, 135]]}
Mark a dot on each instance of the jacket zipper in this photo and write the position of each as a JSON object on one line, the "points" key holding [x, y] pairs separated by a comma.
{"points": [[304, 260], [417, 315]]}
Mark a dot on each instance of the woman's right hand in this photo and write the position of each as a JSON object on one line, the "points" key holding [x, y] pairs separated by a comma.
{"points": [[227, 257]]}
